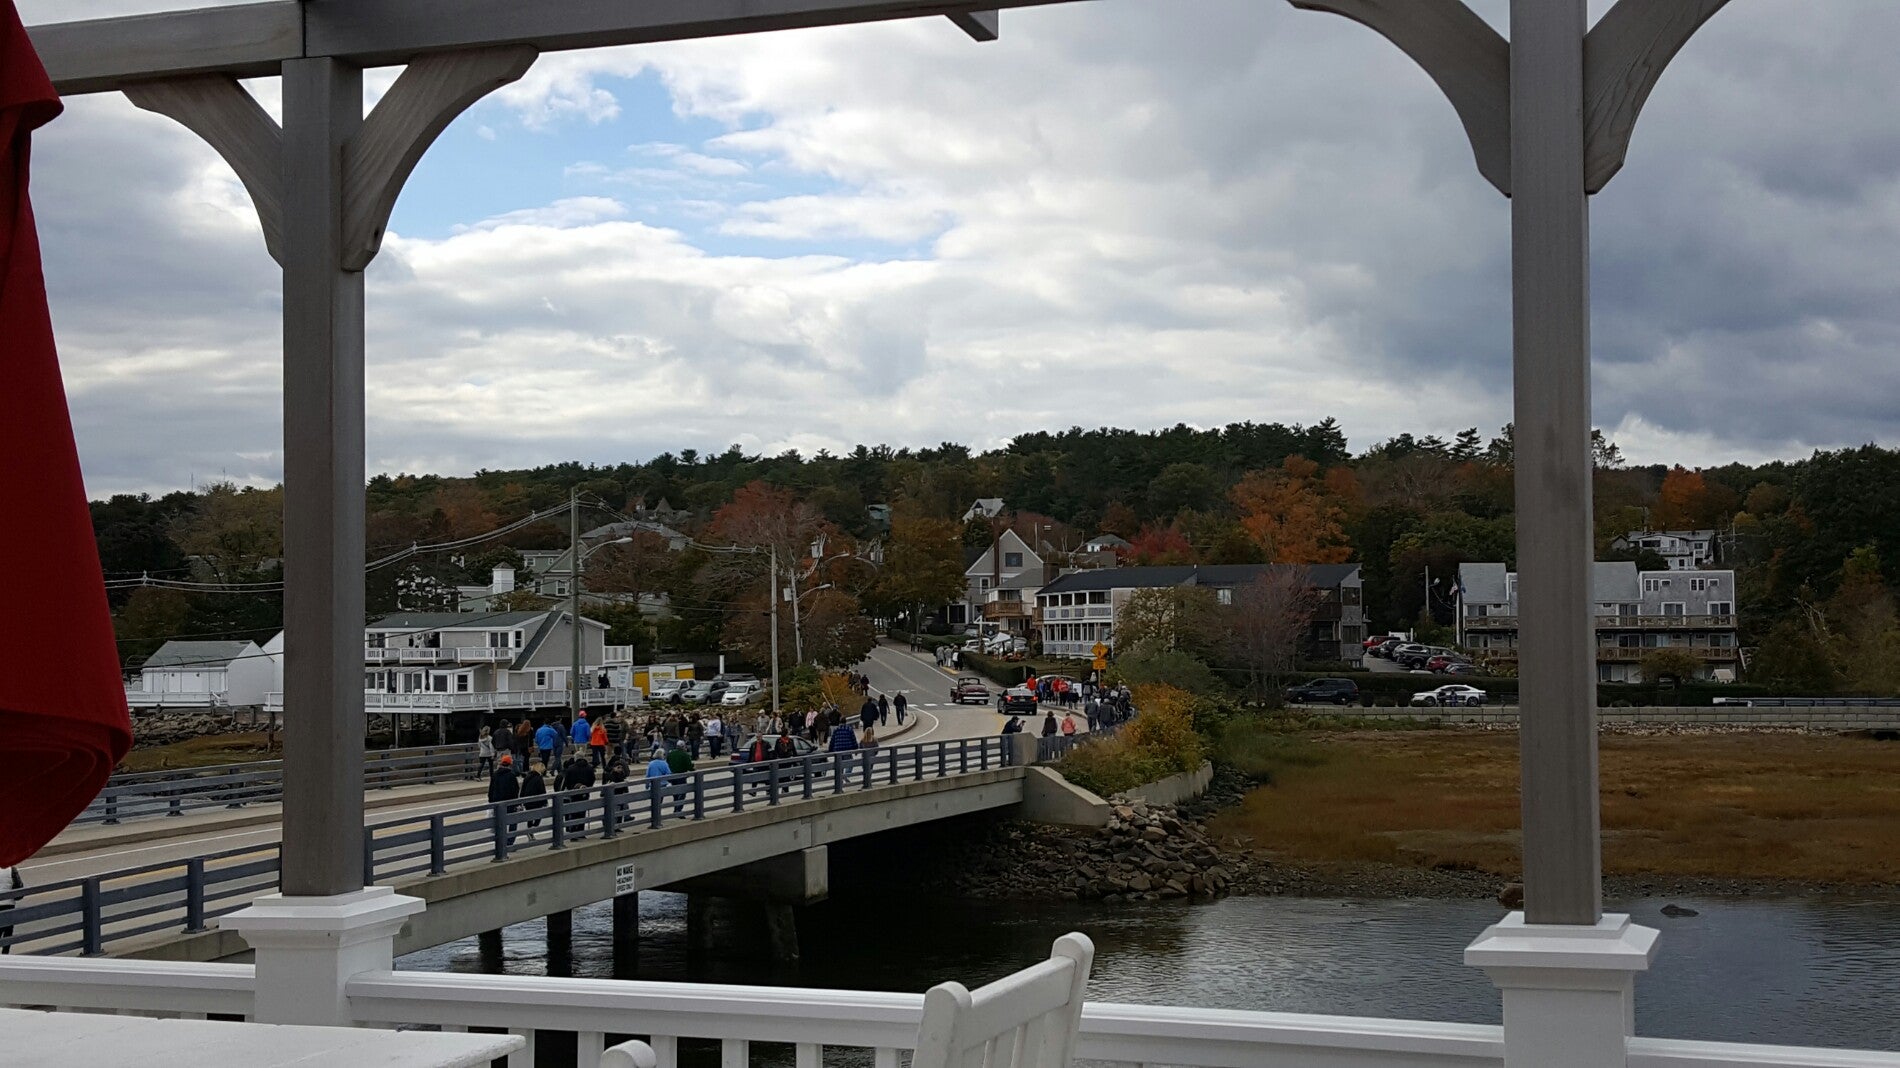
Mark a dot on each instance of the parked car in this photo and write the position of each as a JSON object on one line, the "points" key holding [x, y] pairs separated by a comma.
{"points": [[967, 689], [801, 747], [1456, 693], [1384, 648], [1444, 660], [1325, 691], [1017, 699], [662, 690], [1461, 667], [1410, 654], [1372, 644], [704, 692], [740, 693]]}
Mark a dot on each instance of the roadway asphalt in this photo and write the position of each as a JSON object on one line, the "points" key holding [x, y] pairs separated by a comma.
{"points": [[893, 670]]}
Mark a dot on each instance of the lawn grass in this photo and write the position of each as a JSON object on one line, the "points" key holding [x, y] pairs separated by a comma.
{"points": [[1810, 808], [204, 750]]}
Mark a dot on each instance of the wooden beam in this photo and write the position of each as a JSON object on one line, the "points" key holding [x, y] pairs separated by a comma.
{"points": [[980, 25], [218, 109], [255, 39], [100, 55], [1623, 58], [428, 96], [1470, 61]]}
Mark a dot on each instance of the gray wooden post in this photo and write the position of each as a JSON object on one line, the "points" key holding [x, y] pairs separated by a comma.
{"points": [[323, 488], [1550, 289]]}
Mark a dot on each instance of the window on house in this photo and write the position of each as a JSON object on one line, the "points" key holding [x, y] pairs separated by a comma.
{"points": [[983, 584], [461, 684], [1721, 608], [1673, 608], [1698, 585], [540, 680], [1224, 596], [378, 641], [517, 639], [1098, 597], [1012, 559]]}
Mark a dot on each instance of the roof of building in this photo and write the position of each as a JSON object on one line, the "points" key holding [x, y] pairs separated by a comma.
{"points": [[986, 507], [626, 529], [1141, 578], [455, 620], [196, 654], [1110, 539], [1483, 583]]}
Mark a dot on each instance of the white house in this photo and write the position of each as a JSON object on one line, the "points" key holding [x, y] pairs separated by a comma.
{"points": [[202, 675], [1685, 550], [445, 661], [1637, 613], [1080, 610]]}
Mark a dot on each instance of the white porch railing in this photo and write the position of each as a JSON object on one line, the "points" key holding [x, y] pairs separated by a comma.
{"points": [[141, 699], [378, 701], [815, 1021]]}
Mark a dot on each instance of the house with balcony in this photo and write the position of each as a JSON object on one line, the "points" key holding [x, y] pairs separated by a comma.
{"points": [[224, 674], [1077, 611], [457, 661], [1000, 587], [1685, 550], [1637, 613]]}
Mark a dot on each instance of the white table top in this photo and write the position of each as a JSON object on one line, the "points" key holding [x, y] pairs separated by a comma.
{"points": [[68, 1040]]}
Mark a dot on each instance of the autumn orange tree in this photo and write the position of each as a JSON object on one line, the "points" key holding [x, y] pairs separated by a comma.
{"points": [[1291, 514]]}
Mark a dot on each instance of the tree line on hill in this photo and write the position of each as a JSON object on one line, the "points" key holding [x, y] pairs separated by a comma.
{"points": [[1812, 540]]}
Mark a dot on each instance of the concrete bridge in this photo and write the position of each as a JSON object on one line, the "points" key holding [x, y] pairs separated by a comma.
{"points": [[757, 832]]}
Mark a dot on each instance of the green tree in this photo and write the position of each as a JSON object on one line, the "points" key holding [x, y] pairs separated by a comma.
{"points": [[923, 566], [1670, 665], [1177, 619], [150, 616], [1794, 658]]}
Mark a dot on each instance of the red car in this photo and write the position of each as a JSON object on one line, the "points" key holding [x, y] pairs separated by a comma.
{"points": [[1441, 662]]}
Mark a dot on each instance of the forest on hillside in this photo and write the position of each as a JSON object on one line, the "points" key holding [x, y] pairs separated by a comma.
{"points": [[1813, 541]]}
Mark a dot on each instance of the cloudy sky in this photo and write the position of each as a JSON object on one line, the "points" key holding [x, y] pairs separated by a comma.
{"points": [[1125, 212]]}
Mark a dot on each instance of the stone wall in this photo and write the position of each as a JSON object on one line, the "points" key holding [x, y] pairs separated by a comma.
{"points": [[1174, 789]]}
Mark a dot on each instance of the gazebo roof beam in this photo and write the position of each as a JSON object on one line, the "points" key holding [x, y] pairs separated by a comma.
{"points": [[250, 40]]}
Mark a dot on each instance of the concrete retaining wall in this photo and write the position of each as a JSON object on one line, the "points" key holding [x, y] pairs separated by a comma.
{"points": [[1049, 798], [1175, 788], [1820, 717]]}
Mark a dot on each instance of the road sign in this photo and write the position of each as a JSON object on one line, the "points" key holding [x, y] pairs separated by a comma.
{"points": [[1100, 664], [623, 880], [1099, 651]]}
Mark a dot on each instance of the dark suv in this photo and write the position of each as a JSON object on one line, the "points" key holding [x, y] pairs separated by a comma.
{"points": [[1324, 691]]}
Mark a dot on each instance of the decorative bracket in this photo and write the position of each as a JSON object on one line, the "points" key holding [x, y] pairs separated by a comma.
{"points": [[218, 109], [1625, 55], [1470, 61], [980, 25], [427, 96]]}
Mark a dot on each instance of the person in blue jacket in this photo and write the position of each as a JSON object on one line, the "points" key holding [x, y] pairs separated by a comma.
{"points": [[843, 739], [547, 739], [581, 732]]}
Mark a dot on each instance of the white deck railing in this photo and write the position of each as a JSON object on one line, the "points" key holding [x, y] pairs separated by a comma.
{"points": [[815, 1021]]}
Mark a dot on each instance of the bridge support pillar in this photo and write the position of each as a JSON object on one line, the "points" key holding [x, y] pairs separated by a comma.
{"points": [[626, 928], [488, 944], [698, 922], [781, 931], [561, 943], [308, 949], [1569, 989]]}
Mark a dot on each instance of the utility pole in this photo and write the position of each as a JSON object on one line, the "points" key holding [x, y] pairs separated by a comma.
{"points": [[798, 625], [574, 602], [775, 597]]}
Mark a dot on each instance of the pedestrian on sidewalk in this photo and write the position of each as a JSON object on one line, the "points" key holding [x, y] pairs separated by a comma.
{"points": [[868, 714], [1068, 725], [581, 734], [484, 754], [597, 741], [899, 704], [534, 785], [843, 740], [883, 710], [1049, 727], [547, 740], [715, 734]]}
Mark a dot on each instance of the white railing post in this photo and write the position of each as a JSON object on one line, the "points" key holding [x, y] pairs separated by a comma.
{"points": [[1569, 989], [308, 948]]}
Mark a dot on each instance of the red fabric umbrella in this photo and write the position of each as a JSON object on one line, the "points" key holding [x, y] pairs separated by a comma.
{"points": [[63, 720]]}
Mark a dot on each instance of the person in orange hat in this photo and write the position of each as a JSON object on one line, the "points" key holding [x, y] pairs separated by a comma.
{"points": [[504, 785]]}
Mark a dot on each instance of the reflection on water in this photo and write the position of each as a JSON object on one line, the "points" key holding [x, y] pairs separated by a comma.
{"points": [[1775, 971]]}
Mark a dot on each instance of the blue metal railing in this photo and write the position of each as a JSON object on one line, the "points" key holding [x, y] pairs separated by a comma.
{"points": [[91, 914], [173, 793]]}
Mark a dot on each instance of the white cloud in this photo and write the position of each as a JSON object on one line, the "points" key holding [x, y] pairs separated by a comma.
{"points": [[1121, 213]]}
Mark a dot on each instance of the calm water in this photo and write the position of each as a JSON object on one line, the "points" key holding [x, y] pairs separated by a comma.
{"points": [[1776, 971]]}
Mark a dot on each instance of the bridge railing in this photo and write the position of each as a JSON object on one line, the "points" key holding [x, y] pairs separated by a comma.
{"points": [[1053, 747], [92, 914], [138, 795], [826, 1026]]}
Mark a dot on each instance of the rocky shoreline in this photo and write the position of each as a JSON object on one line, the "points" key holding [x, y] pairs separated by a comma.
{"points": [[1161, 852]]}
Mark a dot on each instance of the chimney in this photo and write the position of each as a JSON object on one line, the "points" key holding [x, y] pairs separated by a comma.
{"points": [[503, 581]]}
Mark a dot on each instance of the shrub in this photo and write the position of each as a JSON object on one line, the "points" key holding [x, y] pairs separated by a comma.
{"points": [[1160, 741], [1166, 668]]}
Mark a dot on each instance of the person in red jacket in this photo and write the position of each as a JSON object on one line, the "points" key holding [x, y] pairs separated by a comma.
{"points": [[597, 741]]}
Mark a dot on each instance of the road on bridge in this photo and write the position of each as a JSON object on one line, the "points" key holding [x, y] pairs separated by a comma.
{"points": [[893, 670]]}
